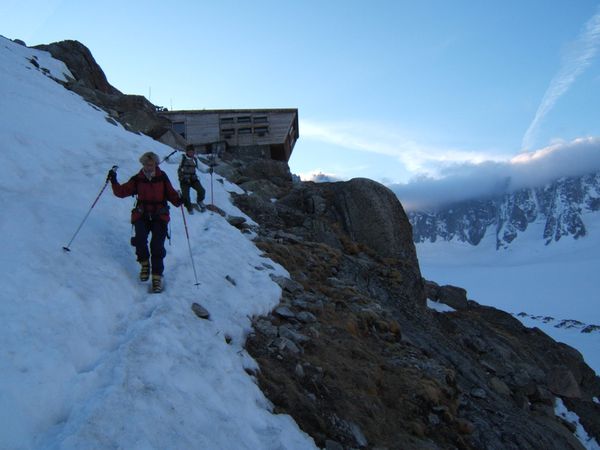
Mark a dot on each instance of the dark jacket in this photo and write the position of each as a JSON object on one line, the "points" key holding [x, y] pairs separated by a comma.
{"points": [[187, 169], [152, 195]]}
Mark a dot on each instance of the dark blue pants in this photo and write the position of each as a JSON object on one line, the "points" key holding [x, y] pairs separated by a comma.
{"points": [[158, 228], [185, 191]]}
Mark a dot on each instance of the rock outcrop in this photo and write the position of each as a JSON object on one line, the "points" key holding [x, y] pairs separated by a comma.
{"points": [[134, 112], [80, 61], [359, 361], [371, 214]]}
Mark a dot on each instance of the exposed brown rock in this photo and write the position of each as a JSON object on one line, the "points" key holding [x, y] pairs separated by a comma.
{"points": [[375, 359], [562, 383]]}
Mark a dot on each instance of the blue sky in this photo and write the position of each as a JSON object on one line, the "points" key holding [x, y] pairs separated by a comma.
{"points": [[398, 91]]}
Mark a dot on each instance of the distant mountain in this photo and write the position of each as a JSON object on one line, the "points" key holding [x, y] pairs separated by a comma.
{"points": [[559, 206]]}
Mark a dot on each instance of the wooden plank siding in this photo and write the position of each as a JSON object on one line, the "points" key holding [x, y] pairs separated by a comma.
{"points": [[276, 128]]}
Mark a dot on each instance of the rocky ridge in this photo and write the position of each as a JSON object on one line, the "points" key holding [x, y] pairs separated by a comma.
{"points": [[560, 206], [359, 361], [134, 112]]}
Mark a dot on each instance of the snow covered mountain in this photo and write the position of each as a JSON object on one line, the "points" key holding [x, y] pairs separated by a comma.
{"points": [[534, 253], [564, 208], [90, 359]]}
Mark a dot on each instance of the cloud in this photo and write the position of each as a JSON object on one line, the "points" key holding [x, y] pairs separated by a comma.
{"points": [[447, 175], [466, 181], [417, 157], [320, 177], [574, 63]]}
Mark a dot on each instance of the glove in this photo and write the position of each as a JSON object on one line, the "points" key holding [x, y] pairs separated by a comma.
{"points": [[112, 176]]}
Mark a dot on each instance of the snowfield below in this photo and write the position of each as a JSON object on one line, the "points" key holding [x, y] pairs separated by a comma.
{"points": [[556, 282]]}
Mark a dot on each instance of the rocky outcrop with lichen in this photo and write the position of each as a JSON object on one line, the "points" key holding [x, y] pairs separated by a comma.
{"points": [[354, 355]]}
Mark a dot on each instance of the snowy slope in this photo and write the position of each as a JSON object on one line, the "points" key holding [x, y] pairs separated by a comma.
{"points": [[557, 282], [89, 358]]}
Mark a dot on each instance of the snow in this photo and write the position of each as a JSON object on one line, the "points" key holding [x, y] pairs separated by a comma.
{"points": [[557, 281], [588, 442], [438, 306], [90, 359]]}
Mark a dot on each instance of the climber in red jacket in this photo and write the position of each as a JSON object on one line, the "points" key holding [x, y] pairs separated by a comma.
{"points": [[150, 215]]}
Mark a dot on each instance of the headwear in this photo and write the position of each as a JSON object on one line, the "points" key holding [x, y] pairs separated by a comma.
{"points": [[149, 156], [189, 148]]}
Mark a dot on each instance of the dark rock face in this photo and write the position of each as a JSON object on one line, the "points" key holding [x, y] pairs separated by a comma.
{"points": [[369, 368], [134, 112], [81, 63], [565, 208], [560, 206], [453, 296], [272, 178], [372, 215], [367, 212], [355, 357], [276, 172], [339, 215]]}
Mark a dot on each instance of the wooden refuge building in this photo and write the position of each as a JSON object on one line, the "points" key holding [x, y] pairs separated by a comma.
{"points": [[269, 133]]}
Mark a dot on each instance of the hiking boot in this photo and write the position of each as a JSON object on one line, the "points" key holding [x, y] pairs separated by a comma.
{"points": [[156, 283], [144, 270], [190, 210], [200, 206]]}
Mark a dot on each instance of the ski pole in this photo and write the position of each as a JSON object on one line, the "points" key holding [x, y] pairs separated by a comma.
{"points": [[212, 199], [66, 247], [189, 245], [212, 169], [168, 156]]}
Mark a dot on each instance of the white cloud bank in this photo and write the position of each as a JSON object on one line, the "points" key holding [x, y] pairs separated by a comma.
{"points": [[318, 176], [463, 181], [574, 63], [448, 175], [383, 140]]}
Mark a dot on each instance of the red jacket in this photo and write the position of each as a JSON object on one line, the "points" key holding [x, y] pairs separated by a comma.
{"points": [[152, 195]]}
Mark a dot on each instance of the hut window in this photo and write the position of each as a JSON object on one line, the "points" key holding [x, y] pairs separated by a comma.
{"points": [[225, 120], [245, 130], [261, 119], [179, 128], [227, 133], [261, 131], [244, 119]]}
